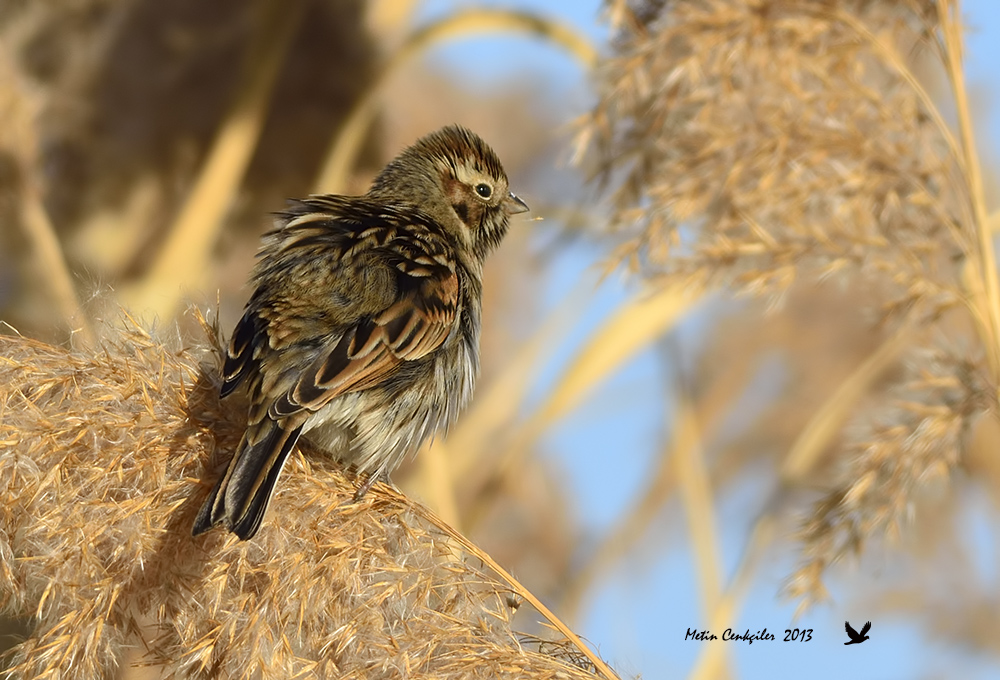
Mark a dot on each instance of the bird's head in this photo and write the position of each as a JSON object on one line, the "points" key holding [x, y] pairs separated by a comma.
{"points": [[456, 178]]}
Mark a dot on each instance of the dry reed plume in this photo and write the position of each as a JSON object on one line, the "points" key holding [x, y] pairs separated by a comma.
{"points": [[768, 145], [104, 459]]}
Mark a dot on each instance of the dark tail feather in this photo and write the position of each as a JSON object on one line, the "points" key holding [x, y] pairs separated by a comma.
{"points": [[242, 494], [203, 522]]}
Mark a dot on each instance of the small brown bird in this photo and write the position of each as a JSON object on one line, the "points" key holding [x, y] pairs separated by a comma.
{"points": [[363, 328]]}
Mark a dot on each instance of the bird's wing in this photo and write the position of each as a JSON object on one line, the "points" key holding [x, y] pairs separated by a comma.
{"points": [[347, 290], [867, 627], [330, 319], [851, 633], [241, 356], [373, 348]]}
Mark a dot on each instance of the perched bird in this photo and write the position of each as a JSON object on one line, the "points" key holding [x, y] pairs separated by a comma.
{"points": [[362, 331], [856, 637]]}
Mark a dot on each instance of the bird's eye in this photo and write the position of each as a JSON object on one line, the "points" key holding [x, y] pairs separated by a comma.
{"points": [[484, 190]]}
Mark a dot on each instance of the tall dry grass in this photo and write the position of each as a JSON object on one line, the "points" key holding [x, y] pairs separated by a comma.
{"points": [[105, 454], [775, 146]]}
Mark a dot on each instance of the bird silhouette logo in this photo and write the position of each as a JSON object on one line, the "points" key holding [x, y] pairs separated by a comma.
{"points": [[856, 637]]}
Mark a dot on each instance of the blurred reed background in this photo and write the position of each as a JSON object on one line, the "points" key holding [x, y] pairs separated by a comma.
{"points": [[791, 388]]}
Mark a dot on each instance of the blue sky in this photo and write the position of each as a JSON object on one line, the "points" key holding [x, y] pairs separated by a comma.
{"points": [[639, 619]]}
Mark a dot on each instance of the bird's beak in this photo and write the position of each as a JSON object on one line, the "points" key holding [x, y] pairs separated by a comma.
{"points": [[515, 205]]}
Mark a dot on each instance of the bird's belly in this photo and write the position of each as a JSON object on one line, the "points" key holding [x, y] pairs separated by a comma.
{"points": [[375, 429]]}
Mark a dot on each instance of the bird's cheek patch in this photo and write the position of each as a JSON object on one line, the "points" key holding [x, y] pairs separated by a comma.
{"points": [[462, 210], [453, 189], [457, 195]]}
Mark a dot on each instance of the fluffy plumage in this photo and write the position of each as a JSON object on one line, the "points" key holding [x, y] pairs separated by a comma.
{"points": [[363, 328]]}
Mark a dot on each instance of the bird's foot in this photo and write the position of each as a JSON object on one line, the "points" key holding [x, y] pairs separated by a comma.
{"points": [[378, 475]]}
